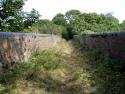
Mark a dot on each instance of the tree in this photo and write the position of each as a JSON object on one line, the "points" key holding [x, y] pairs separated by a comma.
{"points": [[91, 18], [10, 19], [79, 24], [122, 25], [59, 19], [91, 22], [111, 23], [46, 27], [31, 18], [72, 15]]}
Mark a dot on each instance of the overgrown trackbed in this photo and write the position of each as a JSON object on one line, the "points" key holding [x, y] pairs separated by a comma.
{"points": [[64, 69]]}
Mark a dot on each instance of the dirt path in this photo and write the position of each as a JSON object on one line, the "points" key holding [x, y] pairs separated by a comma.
{"points": [[76, 77]]}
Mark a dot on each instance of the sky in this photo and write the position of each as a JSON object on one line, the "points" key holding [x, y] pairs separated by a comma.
{"points": [[49, 8]]}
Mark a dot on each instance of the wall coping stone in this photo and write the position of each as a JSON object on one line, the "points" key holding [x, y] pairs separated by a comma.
{"points": [[21, 34], [106, 34]]}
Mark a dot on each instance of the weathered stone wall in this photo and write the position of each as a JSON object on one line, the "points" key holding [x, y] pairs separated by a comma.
{"points": [[109, 43], [19, 46]]}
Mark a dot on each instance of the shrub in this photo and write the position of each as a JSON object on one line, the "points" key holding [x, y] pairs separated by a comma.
{"points": [[20, 71], [76, 38], [86, 32], [40, 62]]}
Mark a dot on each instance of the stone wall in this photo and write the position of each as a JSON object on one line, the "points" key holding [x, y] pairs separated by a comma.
{"points": [[109, 43], [19, 46]]}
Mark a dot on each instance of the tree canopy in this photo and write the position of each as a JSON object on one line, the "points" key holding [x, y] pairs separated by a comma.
{"points": [[31, 18], [59, 19], [81, 23], [10, 18]]}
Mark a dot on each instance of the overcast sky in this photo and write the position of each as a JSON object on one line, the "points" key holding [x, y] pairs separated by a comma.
{"points": [[49, 8]]}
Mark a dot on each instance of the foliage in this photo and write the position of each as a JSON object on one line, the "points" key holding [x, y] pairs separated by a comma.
{"points": [[13, 19], [31, 18], [47, 60], [68, 34], [46, 27], [40, 64], [59, 19], [122, 25], [80, 23], [86, 32], [109, 73], [72, 15], [20, 71], [77, 38], [10, 18], [95, 23]]}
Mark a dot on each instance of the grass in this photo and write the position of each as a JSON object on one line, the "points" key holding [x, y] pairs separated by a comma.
{"points": [[65, 69], [108, 73]]}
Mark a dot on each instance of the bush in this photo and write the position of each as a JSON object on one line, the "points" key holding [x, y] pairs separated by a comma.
{"points": [[21, 71], [76, 38], [106, 71], [45, 61], [86, 32], [40, 62], [68, 34]]}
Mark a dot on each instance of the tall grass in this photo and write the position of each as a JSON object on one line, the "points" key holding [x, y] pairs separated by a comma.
{"points": [[106, 71], [36, 68]]}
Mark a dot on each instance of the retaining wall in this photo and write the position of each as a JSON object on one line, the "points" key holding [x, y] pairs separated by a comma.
{"points": [[19, 46], [109, 43]]}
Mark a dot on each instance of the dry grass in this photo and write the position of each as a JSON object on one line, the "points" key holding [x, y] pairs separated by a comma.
{"points": [[63, 69]]}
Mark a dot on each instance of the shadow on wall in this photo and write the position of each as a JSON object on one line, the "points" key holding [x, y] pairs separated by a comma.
{"points": [[11, 50], [19, 46], [109, 43]]}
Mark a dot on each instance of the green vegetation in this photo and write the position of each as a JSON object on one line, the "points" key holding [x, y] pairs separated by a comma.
{"points": [[78, 23], [73, 22], [40, 66], [69, 70], [10, 15]]}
